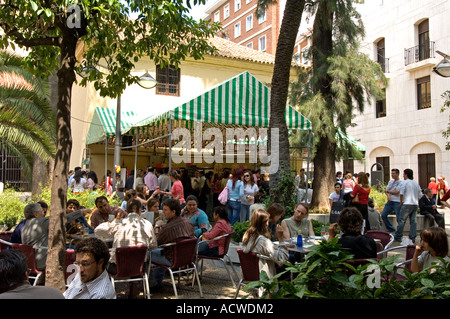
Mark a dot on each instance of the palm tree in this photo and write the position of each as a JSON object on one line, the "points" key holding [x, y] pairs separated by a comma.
{"points": [[341, 80], [280, 85], [27, 122]]}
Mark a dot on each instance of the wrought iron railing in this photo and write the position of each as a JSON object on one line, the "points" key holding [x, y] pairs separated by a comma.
{"points": [[384, 63], [419, 52]]}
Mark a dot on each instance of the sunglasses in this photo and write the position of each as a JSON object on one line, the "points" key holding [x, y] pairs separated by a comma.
{"points": [[246, 175]]}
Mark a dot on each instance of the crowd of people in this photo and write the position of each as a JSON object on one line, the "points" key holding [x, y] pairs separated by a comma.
{"points": [[161, 207]]}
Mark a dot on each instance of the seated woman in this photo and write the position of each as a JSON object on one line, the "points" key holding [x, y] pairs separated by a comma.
{"points": [[256, 239], [153, 213], [351, 220], [221, 227], [433, 244], [198, 217]]}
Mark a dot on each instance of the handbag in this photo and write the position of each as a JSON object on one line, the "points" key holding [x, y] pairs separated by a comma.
{"points": [[355, 199], [223, 196]]}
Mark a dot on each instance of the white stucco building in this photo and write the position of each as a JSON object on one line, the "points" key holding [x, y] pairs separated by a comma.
{"points": [[405, 129]]}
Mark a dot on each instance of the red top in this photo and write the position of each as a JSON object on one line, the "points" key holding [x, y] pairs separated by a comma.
{"points": [[363, 195], [222, 227], [433, 186], [177, 189]]}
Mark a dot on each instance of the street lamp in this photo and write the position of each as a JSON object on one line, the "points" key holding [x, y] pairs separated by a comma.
{"points": [[443, 67], [146, 81]]}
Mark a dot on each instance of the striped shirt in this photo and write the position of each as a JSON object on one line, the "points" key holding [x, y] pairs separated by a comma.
{"points": [[130, 231], [177, 228], [99, 288]]}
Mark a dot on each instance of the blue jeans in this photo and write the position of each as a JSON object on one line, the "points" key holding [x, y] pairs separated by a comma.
{"points": [[205, 250], [234, 211], [405, 212], [157, 273], [245, 213], [389, 207]]}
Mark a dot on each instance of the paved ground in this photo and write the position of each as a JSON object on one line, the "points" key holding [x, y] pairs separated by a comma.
{"points": [[215, 282]]}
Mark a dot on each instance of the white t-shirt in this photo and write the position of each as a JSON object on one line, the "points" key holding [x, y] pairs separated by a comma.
{"points": [[425, 260], [336, 197], [78, 187], [411, 192]]}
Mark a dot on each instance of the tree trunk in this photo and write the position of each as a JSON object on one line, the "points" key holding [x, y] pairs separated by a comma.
{"points": [[57, 231], [324, 160], [280, 85], [324, 173]]}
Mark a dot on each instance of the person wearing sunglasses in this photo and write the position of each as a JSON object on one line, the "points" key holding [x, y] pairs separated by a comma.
{"points": [[250, 190]]}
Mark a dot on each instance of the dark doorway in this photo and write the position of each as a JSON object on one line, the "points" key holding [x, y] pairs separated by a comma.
{"points": [[427, 169]]}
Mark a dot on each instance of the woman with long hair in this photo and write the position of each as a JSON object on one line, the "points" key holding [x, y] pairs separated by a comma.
{"points": [[177, 191], [92, 180], [235, 194], [250, 191], [78, 183], [256, 239], [221, 227], [362, 190]]}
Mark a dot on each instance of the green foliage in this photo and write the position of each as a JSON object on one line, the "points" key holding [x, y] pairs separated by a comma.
{"points": [[284, 194], [446, 133], [328, 272], [11, 207], [317, 226], [12, 204], [27, 121], [379, 196], [239, 231]]}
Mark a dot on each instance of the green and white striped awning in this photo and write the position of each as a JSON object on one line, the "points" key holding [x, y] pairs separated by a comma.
{"points": [[353, 141], [103, 124], [241, 100]]}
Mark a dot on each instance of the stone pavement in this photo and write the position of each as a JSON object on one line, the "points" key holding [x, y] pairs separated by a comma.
{"points": [[216, 284]]}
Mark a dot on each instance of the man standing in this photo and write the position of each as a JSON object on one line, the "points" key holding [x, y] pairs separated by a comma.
{"points": [[428, 207], [337, 202], [139, 178], [104, 209], [409, 203], [177, 228], [92, 280], [300, 185], [393, 199], [164, 181], [151, 180]]}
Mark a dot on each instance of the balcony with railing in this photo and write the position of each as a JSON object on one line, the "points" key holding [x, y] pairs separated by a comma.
{"points": [[383, 62], [419, 53]]}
